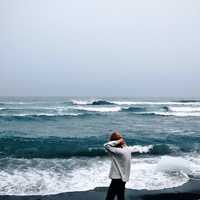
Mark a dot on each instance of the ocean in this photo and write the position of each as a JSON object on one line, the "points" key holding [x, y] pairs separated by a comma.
{"points": [[50, 145]]}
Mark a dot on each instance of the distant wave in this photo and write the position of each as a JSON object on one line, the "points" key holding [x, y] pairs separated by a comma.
{"points": [[101, 102], [154, 103], [92, 102], [183, 109], [110, 102], [98, 109], [38, 116], [176, 114], [81, 102], [134, 109], [91, 110], [189, 101], [180, 111], [105, 102], [110, 109], [35, 108]]}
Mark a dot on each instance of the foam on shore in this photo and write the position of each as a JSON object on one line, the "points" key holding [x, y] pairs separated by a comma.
{"points": [[43, 176]]}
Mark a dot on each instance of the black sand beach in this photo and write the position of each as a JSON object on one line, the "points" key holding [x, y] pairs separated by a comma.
{"points": [[188, 191]]}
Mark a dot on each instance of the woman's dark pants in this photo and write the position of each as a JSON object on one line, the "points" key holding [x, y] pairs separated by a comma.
{"points": [[117, 188]]}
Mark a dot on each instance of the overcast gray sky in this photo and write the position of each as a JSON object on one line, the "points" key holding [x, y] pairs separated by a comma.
{"points": [[100, 48]]}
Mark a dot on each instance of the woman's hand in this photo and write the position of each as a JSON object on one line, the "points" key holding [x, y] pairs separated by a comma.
{"points": [[121, 141]]}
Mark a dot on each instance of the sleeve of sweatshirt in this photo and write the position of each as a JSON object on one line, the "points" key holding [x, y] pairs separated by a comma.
{"points": [[110, 146], [140, 149]]}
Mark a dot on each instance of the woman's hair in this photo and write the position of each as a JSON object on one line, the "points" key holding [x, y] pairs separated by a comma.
{"points": [[115, 136]]}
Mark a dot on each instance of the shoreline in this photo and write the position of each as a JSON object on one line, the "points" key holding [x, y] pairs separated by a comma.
{"points": [[188, 191]]}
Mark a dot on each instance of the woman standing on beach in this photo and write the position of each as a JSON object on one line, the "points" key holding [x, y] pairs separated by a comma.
{"points": [[120, 155]]}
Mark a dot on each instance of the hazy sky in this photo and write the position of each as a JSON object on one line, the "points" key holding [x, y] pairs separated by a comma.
{"points": [[100, 48]]}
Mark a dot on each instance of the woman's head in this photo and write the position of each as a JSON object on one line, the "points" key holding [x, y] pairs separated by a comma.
{"points": [[116, 136]]}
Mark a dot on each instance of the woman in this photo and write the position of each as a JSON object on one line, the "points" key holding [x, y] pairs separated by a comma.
{"points": [[120, 155]]}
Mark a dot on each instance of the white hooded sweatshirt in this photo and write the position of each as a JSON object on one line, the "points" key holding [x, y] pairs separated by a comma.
{"points": [[121, 159]]}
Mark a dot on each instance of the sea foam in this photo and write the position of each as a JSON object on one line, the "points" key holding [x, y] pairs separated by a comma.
{"points": [[44, 176]]}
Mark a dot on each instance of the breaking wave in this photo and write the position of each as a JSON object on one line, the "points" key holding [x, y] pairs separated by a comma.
{"points": [[98, 109], [134, 109], [39, 116], [111, 102], [102, 102], [175, 114], [54, 147], [190, 101], [51, 176], [183, 109]]}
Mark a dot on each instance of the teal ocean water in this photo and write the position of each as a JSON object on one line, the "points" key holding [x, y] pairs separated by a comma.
{"points": [[54, 144]]}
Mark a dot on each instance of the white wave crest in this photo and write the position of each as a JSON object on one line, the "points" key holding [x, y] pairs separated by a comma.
{"points": [[98, 109], [177, 114], [58, 108], [81, 102], [184, 109], [142, 149], [153, 103], [40, 114]]}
